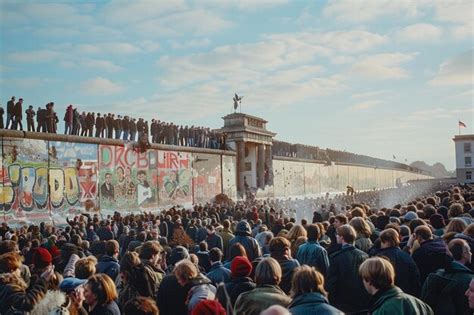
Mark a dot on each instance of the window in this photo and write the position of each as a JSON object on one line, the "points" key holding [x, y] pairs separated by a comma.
{"points": [[468, 175], [467, 147], [467, 161]]}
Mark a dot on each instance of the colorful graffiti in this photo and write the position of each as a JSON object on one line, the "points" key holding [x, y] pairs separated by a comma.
{"points": [[174, 178], [127, 179]]}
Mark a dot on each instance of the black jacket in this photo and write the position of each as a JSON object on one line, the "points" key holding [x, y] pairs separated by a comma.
{"points": [[345, 287], [171, 297], [431, 256], [407, 275]]}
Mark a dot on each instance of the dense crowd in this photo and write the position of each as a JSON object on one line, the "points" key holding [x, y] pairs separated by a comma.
{"points": [[355, 255], [109, 126], [301, 151]]}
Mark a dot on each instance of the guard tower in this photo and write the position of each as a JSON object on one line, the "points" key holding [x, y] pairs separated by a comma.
{"points": [[249, 137]]}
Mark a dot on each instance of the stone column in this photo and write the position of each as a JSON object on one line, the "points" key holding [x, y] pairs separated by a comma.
{"points": [[261, 166], [269, 163], [240, 146]]}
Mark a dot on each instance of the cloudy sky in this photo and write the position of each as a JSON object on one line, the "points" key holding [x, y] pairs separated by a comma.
{"points": [[378, 77]]}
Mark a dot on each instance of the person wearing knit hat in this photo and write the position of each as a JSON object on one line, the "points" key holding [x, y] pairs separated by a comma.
{"points": [[41, 259], [240, 269], [209, 307], [409, 216]]}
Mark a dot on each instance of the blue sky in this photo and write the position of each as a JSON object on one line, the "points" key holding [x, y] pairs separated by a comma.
{"points": [[380, 78]]}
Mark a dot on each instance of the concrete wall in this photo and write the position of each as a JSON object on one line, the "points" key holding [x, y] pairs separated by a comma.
{"points": [[296, 178], [46, 179]]}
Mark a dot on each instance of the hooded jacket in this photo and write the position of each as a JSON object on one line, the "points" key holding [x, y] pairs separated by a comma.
{"points": [[430, 256], [394, 301], [243, 236], [201, 289]]}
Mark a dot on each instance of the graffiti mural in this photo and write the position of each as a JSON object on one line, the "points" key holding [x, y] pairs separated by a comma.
{"points": [[79, 162], [207, 177], [228, 176], [127, 179], [174, 178], [24, 181]]}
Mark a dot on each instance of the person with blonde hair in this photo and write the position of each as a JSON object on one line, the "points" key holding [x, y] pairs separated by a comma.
{"points": [[363, 233], [378, 277], [309, 296], [267, 293], [100, 295], [295, 235], [200, 287]]}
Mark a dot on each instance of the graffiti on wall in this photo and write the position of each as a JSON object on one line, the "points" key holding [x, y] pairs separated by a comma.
{"points": [[127, 179], [174, 178], [207, 177]]}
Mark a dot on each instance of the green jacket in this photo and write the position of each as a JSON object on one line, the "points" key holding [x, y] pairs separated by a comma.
{"points": [[444, 289], [394, 301], [255, 301]]}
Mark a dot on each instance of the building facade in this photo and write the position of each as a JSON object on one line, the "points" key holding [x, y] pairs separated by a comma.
{"points": [[464, 146]]}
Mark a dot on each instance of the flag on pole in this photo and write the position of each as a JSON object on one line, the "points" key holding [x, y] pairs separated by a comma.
{"points": [[461, 124]]}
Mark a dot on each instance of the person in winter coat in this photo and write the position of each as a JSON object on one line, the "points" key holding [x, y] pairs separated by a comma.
{"points": [[15, 295], [407, 276], [309, 296], [432, 253], [226, 235], [267, 293], [343, 276], [280, 250], [137, 280], [363, 233], [312, 253], [379, 276], [200, 286], [108, 263], [100, 295], [444, 290], [217, 273], [240, 271], [243, 236], [213, 239]]}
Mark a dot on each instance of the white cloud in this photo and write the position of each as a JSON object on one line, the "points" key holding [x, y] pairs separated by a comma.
{"points": [[242, 5], [34, 56], [382, 66], [460, 14], [369, 10], [456, 71], [366, 105], [421, 32], [101, 86], [193, 43], [121, 48], [368, 94], [105, 65], [131, 12]]}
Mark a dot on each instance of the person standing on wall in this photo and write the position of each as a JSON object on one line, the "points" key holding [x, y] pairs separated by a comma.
{"points": [[18, 115], [10, 108], [2, 111], [30, 121]]}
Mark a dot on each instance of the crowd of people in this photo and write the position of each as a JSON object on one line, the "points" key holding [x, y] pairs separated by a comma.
{"points": [[353, 256], [109, 126], [301, 151]]}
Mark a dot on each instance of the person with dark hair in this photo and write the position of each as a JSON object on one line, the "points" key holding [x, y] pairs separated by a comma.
{"points": [[343, 275], [150, 255], [309, 296], [140, 306], [407, 275], [379, 276], [30, 122], [108, 263], [100, 295], [213, 239], [203, 256], [107, 189], [217, 273], [280, 251], [443, 290], [432, 253], [10, 112], [312, 253]]}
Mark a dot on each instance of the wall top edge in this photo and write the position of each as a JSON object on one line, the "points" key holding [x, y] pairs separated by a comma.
{"points": [[16, 134], [291, 159]]}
